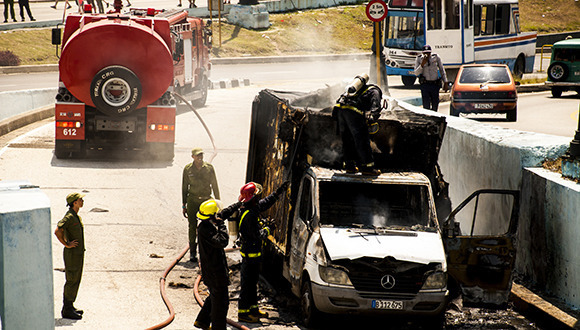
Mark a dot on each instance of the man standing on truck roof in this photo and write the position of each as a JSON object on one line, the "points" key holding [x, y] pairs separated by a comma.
{"points": [[70, 233], [198, 182], [428, 67], [213, 238], [252, 231], [350, 111]]}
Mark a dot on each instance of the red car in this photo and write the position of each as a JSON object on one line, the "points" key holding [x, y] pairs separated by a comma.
{"points": [[484, 88]]}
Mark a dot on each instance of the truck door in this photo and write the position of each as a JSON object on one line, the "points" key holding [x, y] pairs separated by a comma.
{"points": [[189, 57], [301, 229], [479, 239]]}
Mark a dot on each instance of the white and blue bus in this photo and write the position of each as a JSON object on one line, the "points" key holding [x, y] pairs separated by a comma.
{"points": [[460, 31]]}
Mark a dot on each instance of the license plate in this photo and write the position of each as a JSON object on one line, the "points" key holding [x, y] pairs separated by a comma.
{"points": [[483, 106], [387, 304]]}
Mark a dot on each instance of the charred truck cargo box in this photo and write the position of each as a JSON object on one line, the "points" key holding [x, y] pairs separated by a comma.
{"points": [[117, 75], [350, 243]]}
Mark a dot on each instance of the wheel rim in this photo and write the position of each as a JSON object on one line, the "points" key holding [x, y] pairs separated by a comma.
{"points": [[116, 92], [557, 72]]}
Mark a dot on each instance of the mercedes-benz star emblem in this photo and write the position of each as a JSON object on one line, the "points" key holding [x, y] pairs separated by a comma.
{"points": [[388, 282]]}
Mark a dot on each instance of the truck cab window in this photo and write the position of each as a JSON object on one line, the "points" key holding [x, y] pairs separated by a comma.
{"points": [[305, 211], [373, 205]]}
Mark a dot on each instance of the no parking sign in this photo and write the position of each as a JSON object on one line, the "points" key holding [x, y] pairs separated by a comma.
{"points": [[377, 10]]}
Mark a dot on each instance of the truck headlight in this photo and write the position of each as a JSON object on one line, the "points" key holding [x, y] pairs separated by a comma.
{"points": [[437, 280], [333, 276]]}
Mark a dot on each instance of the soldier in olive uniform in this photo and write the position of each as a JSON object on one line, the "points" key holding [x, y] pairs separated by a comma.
{"points": [[70, 233], [199, 180]]}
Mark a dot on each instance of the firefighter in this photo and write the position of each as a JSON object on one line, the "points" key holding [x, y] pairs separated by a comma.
{"points": [[70, 233], [351, 111], [212, 239], [252, 231], [198, 182]]}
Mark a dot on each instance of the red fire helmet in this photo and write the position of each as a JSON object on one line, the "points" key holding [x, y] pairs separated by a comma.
{"points": [[248, 191]]}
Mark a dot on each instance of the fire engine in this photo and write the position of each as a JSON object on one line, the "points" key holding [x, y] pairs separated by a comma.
{"points": [[117, 75]]}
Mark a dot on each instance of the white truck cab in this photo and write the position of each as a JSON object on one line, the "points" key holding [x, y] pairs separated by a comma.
{"points": [[364, 244]]}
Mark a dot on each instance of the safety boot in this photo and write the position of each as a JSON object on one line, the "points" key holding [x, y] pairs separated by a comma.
{"points": [[68, 311], [248, 318], [258, 313], [370, 171], [201, 325], [350, 167]]}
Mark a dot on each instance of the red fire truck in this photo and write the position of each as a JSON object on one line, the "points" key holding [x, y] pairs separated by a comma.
{"points": [[118, 72]]}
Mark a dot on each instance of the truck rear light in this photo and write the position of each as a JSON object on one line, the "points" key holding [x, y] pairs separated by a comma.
{"points": [[69, 124], [457, 95], [161, 127]]}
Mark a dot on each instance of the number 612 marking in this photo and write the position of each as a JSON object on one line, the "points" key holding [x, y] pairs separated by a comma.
{"points": [[69, 131]]}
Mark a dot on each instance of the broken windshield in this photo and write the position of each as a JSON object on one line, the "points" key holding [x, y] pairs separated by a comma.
{"points": [[367, 205]]}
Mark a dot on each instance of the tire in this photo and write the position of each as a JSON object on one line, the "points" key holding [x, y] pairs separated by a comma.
{"points": [[512, 115], [116, 91], [453, 112], [203, 86], [310, 314], [519, 67], [558, 71], [556, 92], [408, 81]]}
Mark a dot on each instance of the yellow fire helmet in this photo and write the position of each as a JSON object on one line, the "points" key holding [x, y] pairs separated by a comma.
{"points": [[208, 209]]}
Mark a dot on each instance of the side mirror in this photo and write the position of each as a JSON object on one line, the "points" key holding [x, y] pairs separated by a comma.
{"points": [[56, 39]]}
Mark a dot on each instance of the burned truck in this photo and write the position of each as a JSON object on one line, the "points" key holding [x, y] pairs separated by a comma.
{"points": [[350, 243]]}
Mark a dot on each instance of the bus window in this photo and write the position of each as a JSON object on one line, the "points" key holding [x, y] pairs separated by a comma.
{"points": [[487, 19], [502, 19], [405, 32], [452, 14], [467, 14], [406, 3], [477, 20], [434, 14]]}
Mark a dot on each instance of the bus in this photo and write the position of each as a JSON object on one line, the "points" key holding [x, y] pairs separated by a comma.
{"points": [[460, 31]]}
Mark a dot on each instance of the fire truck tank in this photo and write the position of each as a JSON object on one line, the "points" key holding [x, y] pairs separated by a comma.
{"points": [[116, 64]]}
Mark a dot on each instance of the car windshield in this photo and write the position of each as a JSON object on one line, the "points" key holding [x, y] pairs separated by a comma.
{"points": [[484, 74], [367, 205]]}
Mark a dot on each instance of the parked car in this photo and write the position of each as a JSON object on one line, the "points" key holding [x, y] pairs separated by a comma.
{"points": [[564, 69], [484, 88]]}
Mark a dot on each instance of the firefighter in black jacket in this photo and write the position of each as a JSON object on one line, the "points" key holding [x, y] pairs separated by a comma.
{"points": [[353, 125], [252, 231], [212, 239]]}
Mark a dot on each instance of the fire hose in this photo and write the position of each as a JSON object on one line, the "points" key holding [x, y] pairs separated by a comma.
{"points": [[198, 279], [195, 292]]}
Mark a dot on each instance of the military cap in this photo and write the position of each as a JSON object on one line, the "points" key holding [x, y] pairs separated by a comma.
{"points": [[196, 151], [70, 198]]}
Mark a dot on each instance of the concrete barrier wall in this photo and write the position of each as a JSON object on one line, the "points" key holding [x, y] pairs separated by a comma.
{"points": [[476, 155], [18, 102], [26, 274]]}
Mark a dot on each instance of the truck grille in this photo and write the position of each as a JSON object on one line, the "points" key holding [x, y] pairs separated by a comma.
{"points": [[366, 274]]}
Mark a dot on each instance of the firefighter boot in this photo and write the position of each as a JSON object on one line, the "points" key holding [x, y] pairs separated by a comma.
{"points": [[367, 170], [78, 311], [350, 167], [201, 325], [258, 313], [248, 318], [68, 311]]}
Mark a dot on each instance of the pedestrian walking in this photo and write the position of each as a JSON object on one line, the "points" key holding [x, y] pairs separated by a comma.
{"points": [[429, 68], [9, 7], [198, 183], [252, 231], [25, 5], [358, 108], [56, 3], [212, 239], [70, 233]]}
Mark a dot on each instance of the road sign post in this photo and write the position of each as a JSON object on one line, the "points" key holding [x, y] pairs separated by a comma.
{"points": [[377, 11]]}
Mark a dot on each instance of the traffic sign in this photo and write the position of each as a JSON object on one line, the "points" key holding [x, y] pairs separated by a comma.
{"points": [[377, 10]]}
